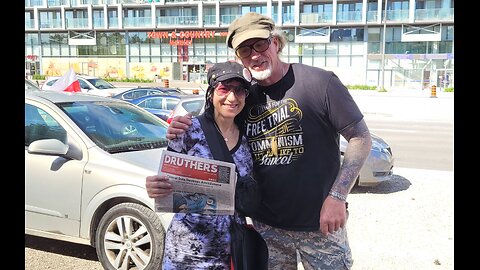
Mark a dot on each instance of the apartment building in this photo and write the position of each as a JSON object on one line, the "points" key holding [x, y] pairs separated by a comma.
{"points": [[390, 43]]}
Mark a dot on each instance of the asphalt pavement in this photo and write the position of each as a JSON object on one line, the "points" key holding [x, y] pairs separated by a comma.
{"points": [[406, 104]]}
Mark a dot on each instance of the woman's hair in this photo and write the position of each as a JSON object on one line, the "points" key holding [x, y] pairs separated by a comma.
{"points": [[209, 110]]}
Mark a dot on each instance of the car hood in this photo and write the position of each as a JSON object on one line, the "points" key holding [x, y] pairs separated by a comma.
{"points": [[377, 143], [148, 159]]}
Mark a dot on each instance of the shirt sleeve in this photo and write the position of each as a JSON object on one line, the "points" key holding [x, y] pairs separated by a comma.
{"points": [[342, 109]]}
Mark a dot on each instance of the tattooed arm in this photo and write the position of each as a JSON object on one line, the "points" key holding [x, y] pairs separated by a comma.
{"points": [[333, 213], [358, 148]]}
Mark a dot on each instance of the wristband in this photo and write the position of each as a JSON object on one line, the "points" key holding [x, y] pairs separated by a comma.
{"points": [[337, 196]]}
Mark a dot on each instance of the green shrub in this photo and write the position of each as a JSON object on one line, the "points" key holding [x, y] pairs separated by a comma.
{"points": [[448, 89], [361, 87], [38, 77], [136, 80]]}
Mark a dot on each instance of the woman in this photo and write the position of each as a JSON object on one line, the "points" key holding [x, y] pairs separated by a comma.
{"points": [[196, 241]]}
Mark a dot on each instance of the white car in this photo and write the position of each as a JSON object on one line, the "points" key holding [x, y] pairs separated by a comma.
{"points": [[90, 85], [86, 160], [31, 86]]}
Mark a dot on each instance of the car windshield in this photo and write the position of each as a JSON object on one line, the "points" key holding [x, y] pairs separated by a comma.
{"points": [[116, 126], [100, 83]]}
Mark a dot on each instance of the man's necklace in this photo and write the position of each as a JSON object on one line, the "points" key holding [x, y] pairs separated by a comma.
{"points": [[273, 140]]}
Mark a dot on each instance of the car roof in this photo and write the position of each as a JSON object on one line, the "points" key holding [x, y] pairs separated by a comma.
{"points": [[155, 96], [157, 88], [59, 96], [191, 97], [86, 77], [180, 97]]}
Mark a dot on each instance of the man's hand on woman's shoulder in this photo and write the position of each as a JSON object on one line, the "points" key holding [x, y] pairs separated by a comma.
{"points": [[178, 126]]}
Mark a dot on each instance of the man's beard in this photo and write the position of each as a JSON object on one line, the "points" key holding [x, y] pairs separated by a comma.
{"points": [[261, 75]]}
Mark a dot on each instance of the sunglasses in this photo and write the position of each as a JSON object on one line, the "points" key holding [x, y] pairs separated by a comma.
{"points": [[259, 46], [225, 89]]}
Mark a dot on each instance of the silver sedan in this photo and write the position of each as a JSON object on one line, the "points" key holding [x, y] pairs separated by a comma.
{"points": [[379, 164]]}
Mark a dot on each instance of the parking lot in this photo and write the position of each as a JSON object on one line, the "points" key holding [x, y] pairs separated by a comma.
{"points": [[403, 224], [406, 223]]}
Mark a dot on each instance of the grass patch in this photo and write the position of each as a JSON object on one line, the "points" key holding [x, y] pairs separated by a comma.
{"points": [[38, 77], [361, 87], [135, 80], [448, 89]]}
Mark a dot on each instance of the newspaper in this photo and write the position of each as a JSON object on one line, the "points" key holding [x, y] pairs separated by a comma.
{"points": [[200, 185]]}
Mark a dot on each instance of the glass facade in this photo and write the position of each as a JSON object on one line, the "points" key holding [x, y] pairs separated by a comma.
{"points": [[151, 37]]}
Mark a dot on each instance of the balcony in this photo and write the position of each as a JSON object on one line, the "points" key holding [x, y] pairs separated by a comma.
{"points": [[372, 16], [33, 3], [312, 18], [29, 23], [436, 14], [288, 18], [76, 23], [57, 3], [228, 19], [177, 20], [397, 15], [137, 22], [56, 24], [113, 22], [210, 20], [349, 17], [98, 23]]}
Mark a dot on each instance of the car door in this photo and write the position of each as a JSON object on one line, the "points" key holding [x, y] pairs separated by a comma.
{"points": [[154, 105], [53, 184]]}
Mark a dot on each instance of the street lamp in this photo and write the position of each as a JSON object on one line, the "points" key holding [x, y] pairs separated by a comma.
{"points": [[382, 75]]}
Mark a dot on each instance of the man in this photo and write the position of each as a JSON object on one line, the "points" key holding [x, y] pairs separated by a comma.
{"points": [[295, 116]]}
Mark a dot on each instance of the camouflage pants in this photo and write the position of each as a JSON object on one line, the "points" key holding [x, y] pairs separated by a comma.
{"points": [[316, 251]]}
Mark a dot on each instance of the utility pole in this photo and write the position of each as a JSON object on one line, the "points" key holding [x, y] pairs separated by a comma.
{"points": [[382, 75]]}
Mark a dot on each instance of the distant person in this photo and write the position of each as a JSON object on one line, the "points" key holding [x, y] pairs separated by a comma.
{"points": [[296, 114], [196, 241], [446, 81]]}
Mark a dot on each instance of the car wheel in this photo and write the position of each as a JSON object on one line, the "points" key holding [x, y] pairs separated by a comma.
{"points": [[130, 236]]}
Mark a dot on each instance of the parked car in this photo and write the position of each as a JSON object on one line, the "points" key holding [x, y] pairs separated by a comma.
{"points": [[138, 92], [31, 86], [90, 85], [379, 164], [377, 168], [193, 104], [159, 105], [86, 160]]}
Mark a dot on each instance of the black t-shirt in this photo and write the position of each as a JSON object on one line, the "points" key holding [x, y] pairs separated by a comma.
{"points": [[303, 113]]}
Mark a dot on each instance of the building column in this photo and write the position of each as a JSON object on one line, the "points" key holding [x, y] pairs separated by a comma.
{"points": [[364, 11], [334, 16], [411, 11], [297, 12], [280, 13]]}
